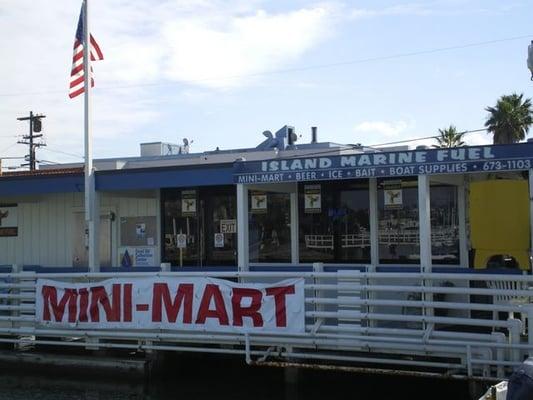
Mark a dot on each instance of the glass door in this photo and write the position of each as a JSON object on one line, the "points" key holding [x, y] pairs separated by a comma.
{"points": [[199, 226], [269, 227]]}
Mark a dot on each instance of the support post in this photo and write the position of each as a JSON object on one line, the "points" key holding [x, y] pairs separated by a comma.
{"points": [[461, 214], [530, 219], [374, 240], [93, 226], [374, 222], [424, 222], [243, 249], [295, 235], [159, 235]]}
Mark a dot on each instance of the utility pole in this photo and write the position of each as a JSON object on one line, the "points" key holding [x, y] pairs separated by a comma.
{"points": [[35, 126]]}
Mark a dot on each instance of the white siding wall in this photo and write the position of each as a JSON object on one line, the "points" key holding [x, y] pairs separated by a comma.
{"points": [[45, 232]]}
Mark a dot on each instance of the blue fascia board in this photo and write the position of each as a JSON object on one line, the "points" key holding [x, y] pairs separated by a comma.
{"points": [[135, 179], [26, 185], [155, 178]]}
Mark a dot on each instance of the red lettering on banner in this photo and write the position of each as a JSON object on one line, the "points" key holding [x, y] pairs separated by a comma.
{"points": [[184, 295], [70, 297], [280, 294], [212, 292], [84, 304], [128, 287], [252, 311], [99, 295]]}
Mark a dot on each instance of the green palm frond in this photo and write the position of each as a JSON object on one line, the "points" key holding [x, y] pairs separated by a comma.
{"points": [[449, 137], [509, 121]]}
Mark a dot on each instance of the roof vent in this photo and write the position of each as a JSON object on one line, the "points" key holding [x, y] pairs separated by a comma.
{"points": [[314, 134]]}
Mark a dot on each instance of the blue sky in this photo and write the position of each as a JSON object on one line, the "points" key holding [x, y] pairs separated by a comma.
{"points": [[221, 72]]}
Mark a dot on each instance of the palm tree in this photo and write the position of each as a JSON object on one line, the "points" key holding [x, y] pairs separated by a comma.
{"points": [[449, 137], [510, 120]]}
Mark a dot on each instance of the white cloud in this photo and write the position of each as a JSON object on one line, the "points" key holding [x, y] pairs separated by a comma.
{"points": [[412, 9], [207, 43], [383, 128], [477, 138], [144, 42], [430, 8]]}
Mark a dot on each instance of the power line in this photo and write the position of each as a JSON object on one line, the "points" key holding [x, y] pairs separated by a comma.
{"points": [[360, 146], [48, 162], [295, 69], [7, 148], [64, 152], [423, 138]]}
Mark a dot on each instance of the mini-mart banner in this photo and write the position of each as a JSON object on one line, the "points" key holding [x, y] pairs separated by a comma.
{"points": [[188, 303]]}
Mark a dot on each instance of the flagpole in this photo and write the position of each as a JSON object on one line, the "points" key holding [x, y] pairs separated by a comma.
{"points": [[91, 219]]}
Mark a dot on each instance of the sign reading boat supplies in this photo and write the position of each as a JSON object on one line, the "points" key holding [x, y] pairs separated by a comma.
{"points": [[184, 303], [511, 157]]}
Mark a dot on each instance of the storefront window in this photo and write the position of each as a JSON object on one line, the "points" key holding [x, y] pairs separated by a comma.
{"points": [[399, 240], [444, 224], [334, 222], [269, 227], [199, 226]]}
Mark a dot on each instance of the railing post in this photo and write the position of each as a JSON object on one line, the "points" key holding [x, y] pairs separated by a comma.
{"points": [[317, 268], [515, 327], [24, 277], [529, 311], [499, 337], [15, 269]]}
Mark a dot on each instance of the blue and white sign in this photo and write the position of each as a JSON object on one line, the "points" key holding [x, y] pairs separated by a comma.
{"points": [[144, 257], [512, 157]]}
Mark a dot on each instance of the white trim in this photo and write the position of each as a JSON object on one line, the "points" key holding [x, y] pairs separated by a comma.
{"points": [[530, 172], [424, 222], [160, 243], [295, 227], [374, 221], [243, 237], [461, 215]]}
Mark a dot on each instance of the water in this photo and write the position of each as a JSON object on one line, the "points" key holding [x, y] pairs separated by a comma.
{"points": [[207, 378]]}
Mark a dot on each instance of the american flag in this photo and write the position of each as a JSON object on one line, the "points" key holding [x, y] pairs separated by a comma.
{"points": [[77, 73]]}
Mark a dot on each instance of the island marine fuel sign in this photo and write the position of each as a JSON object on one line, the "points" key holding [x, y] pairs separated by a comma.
{"points": [[387, 164]]}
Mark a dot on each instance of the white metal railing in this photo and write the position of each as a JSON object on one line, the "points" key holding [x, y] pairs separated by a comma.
{"points": [[418, 321], [319, 241], [443, 237]]}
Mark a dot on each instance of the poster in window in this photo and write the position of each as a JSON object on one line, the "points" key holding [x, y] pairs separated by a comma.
{"points": [[140, 230], [8, 220], [219, 240], [312, 199], [392, 190], [259, 203], [181, 241], [144, 257], [188, 203]]}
